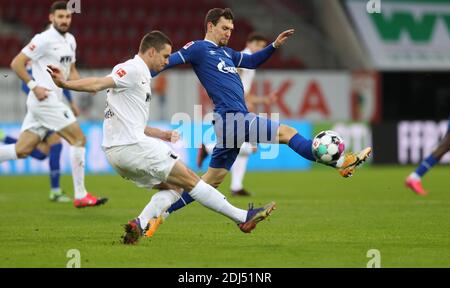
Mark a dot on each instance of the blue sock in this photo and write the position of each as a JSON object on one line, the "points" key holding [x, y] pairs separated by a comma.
{"points": [[183, 201], [35, 153], [302, 146], [9, 140], [55, 156], [426, 165]]}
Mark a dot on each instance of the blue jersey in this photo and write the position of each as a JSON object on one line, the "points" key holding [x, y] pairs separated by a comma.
{"points": [[215, 67]]}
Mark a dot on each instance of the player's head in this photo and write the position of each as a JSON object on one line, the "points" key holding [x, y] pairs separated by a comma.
{"points": [[60, 16], [219, 25], [256, 42], [155, 49]]}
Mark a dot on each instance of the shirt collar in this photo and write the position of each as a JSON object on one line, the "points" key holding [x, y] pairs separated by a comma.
{"points": [[211, 42], [54, 31], [142, 65]]}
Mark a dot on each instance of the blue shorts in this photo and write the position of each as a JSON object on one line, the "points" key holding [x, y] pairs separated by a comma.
{"points": [[233, 130]]}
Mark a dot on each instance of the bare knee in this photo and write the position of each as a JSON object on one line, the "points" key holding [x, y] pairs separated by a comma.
{"points": [[214, 179], [285, 133], [79, 141], [23, 152], [190, 180]]}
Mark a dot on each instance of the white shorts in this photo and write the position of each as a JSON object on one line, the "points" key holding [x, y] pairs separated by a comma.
{"points": [[146, 163], [47, 115]]}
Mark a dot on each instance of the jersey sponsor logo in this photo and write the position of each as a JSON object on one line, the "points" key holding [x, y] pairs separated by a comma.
{"points": [[121, 73], [212, 52], [188, 45], [32, 47], [65, 59], [222, 67]]}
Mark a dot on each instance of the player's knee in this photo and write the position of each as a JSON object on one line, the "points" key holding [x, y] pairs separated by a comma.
{"points": [[80, 141], [190, 180], [23, 152], [285, 133]]}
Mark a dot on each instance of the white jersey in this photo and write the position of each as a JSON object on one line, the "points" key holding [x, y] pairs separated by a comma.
{"points": [[247, 75], [127, 105], [50, 48]]}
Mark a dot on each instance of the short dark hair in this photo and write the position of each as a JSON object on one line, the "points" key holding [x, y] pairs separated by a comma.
{"points": [[58, 5], [255, 36], [214, 15], [155, 39]]}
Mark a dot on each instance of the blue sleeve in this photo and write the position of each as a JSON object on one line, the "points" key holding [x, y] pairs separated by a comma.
{"points": [[252, 61], [25, 88], [68, 95], [174, 60], [190, 53]]}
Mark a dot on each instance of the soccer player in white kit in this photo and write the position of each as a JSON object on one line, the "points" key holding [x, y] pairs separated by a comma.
{"points": [[45, 109], [255, 42], [128, 142]]}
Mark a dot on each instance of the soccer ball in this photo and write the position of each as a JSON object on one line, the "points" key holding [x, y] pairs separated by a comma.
{"points": [[327, 147]]}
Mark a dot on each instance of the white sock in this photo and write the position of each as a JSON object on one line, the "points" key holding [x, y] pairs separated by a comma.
{"points": [[414, 176], [209, 148], [209, 197], [77, 156], [246, 149], [238, 172], [8, 152], [159, 203]]}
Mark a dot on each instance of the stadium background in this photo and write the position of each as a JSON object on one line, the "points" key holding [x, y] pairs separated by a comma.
{"points": [[377, 79], [343, 67]]}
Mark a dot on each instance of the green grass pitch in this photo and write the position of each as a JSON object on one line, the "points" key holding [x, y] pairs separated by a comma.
{"points": [[322, 220]]}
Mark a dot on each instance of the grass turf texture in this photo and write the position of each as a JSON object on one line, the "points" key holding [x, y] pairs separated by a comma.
{"points": [[322, 220]]}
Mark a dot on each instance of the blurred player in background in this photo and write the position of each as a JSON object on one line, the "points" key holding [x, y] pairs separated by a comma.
{"points": [[255, 43], [414, 180], [135, 150], [45, 109], [50, 147], [216, 67]]}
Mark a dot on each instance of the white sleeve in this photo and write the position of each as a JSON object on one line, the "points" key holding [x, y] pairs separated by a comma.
{"points": [[74, 50], [123, 75], [36, 48]]}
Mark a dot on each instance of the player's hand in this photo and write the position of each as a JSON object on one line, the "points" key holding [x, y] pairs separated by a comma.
{"points": [[40, 93], [283, 37], [173, 136], [57, 75]]}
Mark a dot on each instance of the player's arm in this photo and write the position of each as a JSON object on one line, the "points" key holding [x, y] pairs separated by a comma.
{"points": [[73, 75], [90, 84], [169, 136], [190, 53], [175, 59], [18, 65], [253, 61]]}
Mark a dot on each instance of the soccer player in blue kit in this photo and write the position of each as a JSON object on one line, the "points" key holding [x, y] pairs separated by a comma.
{"points": [[414, 180], [215, 66]]}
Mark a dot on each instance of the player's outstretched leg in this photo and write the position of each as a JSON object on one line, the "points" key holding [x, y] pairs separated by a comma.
{"points": [[346, 165], [209, 197], [36, 153], [414, 180]]}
